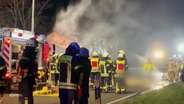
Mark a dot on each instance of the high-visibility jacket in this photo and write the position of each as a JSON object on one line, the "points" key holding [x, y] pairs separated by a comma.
{"points": [[171, 66], [95, 64], [110, 65], [181, 66], [120, 68], [54, 67], [103, 68], [68, 69], [148, 66]]}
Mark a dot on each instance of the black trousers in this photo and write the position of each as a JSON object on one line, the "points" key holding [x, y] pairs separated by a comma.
{"points": [[68, 96], [2, 91]]}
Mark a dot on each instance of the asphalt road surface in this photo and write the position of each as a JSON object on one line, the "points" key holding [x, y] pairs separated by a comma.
{"points": [[136, 84], [106, 98]]}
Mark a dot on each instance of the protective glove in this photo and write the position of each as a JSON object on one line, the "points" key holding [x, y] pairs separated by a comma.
{"points": [[79, 93]]}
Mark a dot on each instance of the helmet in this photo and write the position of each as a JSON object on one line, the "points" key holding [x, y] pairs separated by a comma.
{"points": [[105, 54], [84, 52], [120, 55], [149, 60], [121, 51], [60, 54], [32, 42], [75, 45], [94, 53], [55, 55]]}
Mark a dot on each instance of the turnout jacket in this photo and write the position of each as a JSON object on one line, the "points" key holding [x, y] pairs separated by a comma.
{"points": [[84, 71], [69, 73]]}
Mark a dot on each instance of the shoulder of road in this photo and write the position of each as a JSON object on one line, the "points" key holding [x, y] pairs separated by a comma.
{"points": [[170, 94]]}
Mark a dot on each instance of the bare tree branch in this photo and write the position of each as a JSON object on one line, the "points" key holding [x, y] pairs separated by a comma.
{"points": [[17, 13]]}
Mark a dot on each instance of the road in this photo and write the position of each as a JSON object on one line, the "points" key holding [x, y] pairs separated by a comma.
{"points": [[106, 98]]}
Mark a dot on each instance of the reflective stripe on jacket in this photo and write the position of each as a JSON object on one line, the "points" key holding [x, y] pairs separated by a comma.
{"points": [[68, 67], [2, 67]]}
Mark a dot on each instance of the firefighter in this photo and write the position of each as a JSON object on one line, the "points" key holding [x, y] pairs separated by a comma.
{"points": [[54, 70], [68, 71], [124, 56], [27, 71], [171, 69], [83, 89], [111, 70], [182, 74], [120, 74], [105, 71], [3, 71], [177, 69], [181, 67], [149, 66], [148, 72], [95, 71]]}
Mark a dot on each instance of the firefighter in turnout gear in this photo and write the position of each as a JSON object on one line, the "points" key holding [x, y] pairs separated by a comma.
{"points": [[149, 66], [148, 71], [120, 74], [124, 57], [27, 71], [54, 70], [95, 71], [105, 72], [171, 69], [83, 87], [111, 70], [3, 72], [69, 74]]}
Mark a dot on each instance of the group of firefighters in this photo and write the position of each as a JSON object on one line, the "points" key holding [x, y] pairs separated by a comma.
{"points": [[173, 70], [110, 73]]}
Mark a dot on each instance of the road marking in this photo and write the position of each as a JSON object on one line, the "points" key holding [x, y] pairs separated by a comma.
{"points": [[122, 98]]}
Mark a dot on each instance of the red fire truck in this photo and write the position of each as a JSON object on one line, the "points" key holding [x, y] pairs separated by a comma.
{"points": [[13, 42]]}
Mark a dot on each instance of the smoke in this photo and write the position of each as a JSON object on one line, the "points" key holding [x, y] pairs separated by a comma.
{"points": [[66, 21], [138, 27]]}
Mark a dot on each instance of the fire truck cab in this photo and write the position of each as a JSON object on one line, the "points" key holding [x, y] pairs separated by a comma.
{"points": [[13, 41]]}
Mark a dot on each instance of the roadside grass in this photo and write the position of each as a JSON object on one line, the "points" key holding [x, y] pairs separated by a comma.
{"points": [[172, 94]]}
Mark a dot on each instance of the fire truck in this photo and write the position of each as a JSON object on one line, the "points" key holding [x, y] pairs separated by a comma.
{"points": [[13, 41]]}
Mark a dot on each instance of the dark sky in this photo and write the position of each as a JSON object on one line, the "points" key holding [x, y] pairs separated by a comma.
{"points": [[137, 26]]}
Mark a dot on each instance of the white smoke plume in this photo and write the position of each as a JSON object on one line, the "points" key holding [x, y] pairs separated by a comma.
{"points": [[138, 27], [66, 21]]}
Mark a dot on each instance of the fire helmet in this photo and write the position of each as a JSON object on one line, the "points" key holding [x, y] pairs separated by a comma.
{"points": [[55, 55], [84, 52], [94, 53], [121, 51], [75, 46], [32, 42], [105, 54], [120, 55]]}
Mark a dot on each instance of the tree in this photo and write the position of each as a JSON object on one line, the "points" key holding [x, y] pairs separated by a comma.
{"points": [[17, 14]]}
